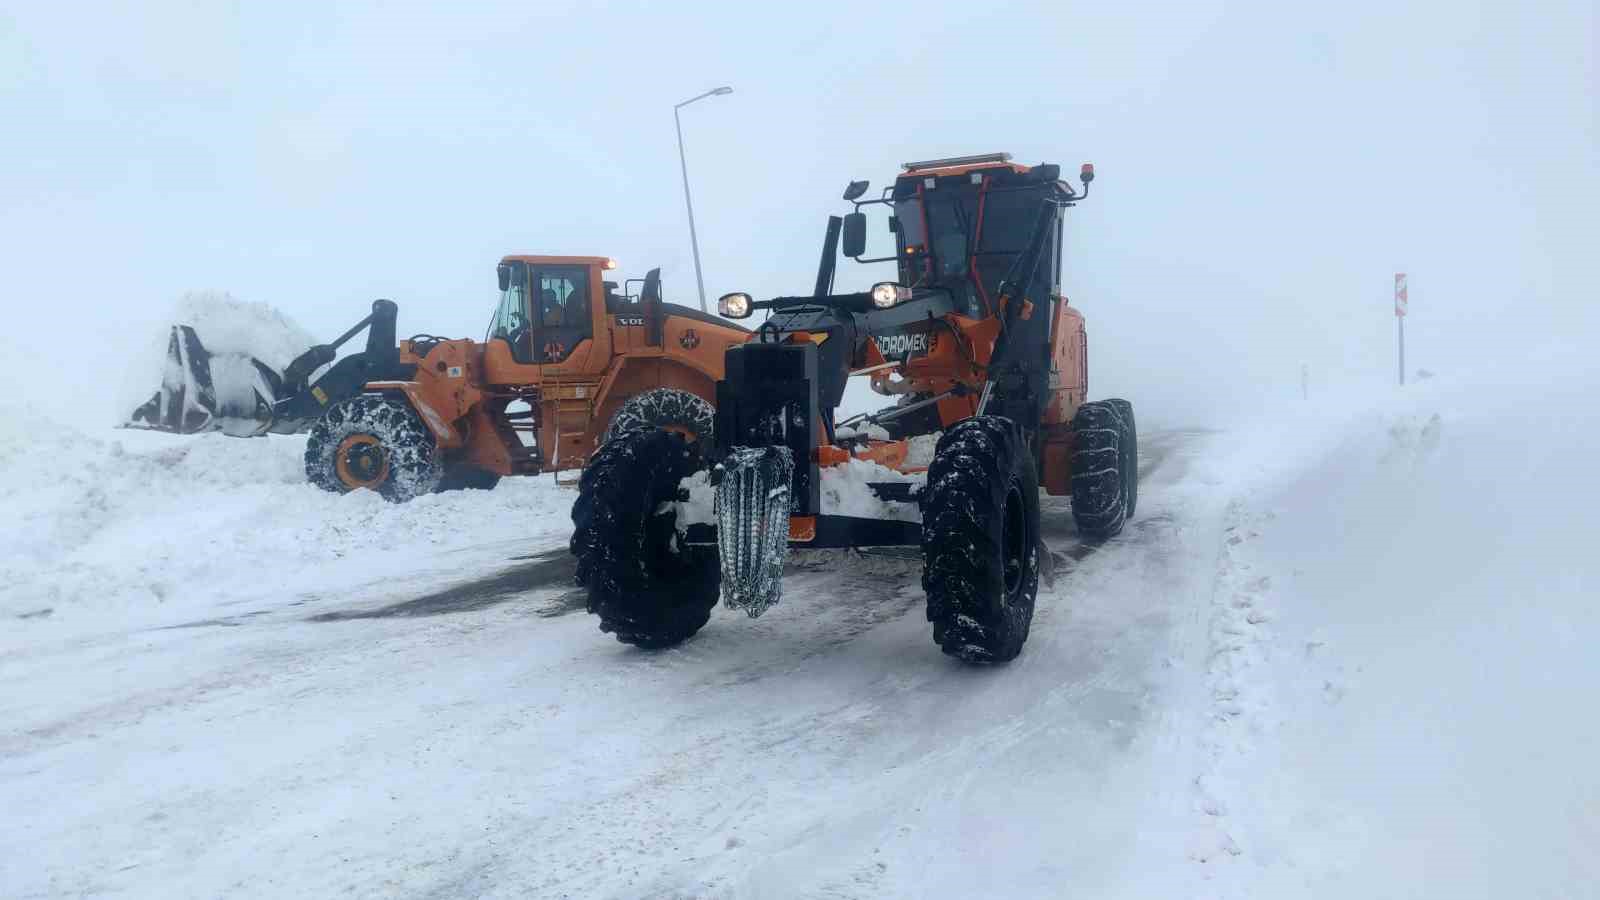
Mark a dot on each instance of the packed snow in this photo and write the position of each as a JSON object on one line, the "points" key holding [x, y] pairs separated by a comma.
{"points": [[227, 324], [128, 527], [920, 449], [1345, 651], [843, 491]]}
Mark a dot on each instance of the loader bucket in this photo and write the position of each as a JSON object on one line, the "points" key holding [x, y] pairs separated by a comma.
{"points": [[200, 391]]}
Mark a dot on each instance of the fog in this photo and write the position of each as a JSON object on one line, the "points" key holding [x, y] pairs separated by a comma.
{"points": [[1263, 170]]}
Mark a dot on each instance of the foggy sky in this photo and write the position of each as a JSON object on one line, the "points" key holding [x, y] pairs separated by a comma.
{"points": [[1264, 170]]}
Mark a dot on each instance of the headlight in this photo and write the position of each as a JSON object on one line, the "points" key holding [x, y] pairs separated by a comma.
{"points": [[886, 294], [734, 306]]}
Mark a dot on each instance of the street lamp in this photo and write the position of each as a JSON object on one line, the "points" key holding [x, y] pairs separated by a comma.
{"points": [[694, 242]]}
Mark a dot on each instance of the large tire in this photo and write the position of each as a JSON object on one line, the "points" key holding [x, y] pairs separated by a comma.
{"points": [[376, 442], [646, 589], [462, 477], [667, 408], [1104, 464], [980, 540], [1130, 454]]}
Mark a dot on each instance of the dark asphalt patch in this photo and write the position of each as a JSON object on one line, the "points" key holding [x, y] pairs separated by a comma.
{"points": [[543, 570]]}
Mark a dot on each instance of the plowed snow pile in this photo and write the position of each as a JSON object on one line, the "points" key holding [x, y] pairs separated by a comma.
{"points": [[1404, 670], [129, 526], [225, 325]]}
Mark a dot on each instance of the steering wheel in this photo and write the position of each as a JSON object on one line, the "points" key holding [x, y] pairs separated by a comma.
{"points": [[518, 329]]}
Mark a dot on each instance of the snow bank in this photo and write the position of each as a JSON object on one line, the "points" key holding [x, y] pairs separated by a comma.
{"points": [[133, 525], [1402, 670]]}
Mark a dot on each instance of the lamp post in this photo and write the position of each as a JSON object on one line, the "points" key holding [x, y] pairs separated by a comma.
{"points": [[694, 242]]}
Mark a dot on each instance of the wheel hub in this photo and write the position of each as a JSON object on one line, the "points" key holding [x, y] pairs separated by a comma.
{"points": [[361, 461]]}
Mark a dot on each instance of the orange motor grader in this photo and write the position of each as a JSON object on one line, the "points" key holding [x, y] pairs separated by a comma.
{"points": [[986, 363], [568, 357]]}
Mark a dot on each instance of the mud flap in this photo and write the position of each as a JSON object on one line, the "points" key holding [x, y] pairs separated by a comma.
{"points": [[229, 392], [753, 526]]}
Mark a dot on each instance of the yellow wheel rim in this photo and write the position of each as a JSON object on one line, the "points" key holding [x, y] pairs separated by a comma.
{"points": [[361, 462]]}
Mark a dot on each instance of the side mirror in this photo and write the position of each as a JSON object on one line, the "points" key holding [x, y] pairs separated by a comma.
{"points": [[894, 224], [504, 271], [853, 239], [735, 306], [856, 189]]}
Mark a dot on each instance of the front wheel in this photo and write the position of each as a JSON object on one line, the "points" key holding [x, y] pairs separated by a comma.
{"points": [[374, 442], [647, 589], [980, 540]]}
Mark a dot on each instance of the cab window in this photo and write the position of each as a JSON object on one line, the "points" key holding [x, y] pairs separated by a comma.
{"points": [[560, 295], [563, 294], [511, 322]]}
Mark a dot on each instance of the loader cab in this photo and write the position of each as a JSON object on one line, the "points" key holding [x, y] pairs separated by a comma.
{"points": [[548, 315]]}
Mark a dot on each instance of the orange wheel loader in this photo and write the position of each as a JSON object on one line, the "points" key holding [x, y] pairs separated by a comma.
{"points": [[567, 358]]}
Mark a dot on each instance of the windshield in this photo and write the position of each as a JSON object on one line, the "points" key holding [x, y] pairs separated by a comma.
{"points": [[950, 219], [1008, 220], [908, 215], [964, 238], [936, 230], [510, 316]]}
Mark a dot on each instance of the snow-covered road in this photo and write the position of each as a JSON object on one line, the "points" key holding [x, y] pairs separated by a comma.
{"points": [[334, 695], [484, 737]]}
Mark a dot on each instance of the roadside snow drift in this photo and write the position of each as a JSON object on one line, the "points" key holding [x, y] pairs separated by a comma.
{"points": [[1406, 624], [124, 526]]}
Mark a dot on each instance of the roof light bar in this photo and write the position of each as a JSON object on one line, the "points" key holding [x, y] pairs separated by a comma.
{"points": [[957, 161]]}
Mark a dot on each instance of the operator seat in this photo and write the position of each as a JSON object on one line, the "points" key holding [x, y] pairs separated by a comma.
{"points": [[550, 308]]}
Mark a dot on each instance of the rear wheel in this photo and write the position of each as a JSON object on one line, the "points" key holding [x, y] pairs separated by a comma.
{"points": [[667, 408], [647, 589], [980, 540], [1104, 468], [373, 442], [1130, 456]]}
